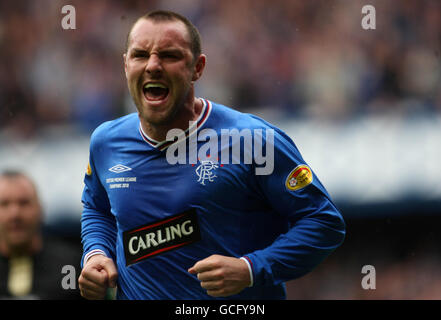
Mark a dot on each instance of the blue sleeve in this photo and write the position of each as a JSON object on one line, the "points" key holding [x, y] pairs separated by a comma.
{"points": [[316, 227], [98, 225]]}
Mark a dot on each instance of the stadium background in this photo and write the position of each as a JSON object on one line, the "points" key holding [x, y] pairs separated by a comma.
{"points": [[363, 106]]}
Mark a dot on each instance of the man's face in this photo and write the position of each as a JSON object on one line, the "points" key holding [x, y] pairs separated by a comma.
{"points": [[20, 213], [160, 69]]}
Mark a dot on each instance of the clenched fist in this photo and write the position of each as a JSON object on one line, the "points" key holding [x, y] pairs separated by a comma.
{"points": [[98, 274], [222, 276]]}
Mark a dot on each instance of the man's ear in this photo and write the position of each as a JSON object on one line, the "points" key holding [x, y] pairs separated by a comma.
{"points": [[199, 67], [125, 63]]}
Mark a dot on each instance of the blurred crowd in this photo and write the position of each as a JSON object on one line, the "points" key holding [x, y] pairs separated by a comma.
{"points": [[405, 255], [294, 58], [411, 278]]}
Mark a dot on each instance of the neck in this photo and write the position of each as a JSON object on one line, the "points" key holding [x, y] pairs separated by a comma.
{"points": [[26, 249], [189, 112]]}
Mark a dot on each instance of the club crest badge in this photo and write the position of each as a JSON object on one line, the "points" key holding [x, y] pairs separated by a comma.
{"points": [[205, 171]]}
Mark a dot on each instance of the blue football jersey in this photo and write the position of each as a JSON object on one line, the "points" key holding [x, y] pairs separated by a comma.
{"points": [[232, 185]]}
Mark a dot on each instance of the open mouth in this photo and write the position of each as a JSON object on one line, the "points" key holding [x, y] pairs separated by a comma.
{"points": [[155, 91]]}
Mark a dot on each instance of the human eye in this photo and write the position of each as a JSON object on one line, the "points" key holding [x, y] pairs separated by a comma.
{"points": [[171, 55], [24, 202], [139, 54]]}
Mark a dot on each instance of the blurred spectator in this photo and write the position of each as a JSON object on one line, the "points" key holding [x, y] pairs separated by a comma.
{"points": [[31, 266]]}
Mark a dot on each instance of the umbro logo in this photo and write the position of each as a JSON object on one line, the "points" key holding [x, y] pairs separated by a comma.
{"points": [[119, 168]]}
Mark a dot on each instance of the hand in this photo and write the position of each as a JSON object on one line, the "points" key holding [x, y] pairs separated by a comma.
{"points": [[97, 275], [222, 276]]}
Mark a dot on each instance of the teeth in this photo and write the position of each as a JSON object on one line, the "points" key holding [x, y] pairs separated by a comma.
{"points": [[155, 85]]}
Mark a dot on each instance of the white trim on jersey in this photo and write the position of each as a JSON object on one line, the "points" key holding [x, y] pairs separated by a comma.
{"points": [[206, 110]]}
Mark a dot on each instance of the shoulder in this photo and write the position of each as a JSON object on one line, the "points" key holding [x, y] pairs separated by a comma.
{"points": [[117, 127], [229, 118]]}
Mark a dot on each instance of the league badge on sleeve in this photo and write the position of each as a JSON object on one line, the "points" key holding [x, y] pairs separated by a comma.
{"points": [[299, 178], [89, 170]]}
